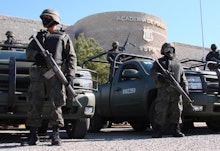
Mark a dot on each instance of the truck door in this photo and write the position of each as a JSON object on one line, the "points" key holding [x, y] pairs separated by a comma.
{"points": [[127, 93]]}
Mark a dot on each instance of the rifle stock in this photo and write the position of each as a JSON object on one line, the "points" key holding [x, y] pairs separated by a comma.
{"points": [[55, 68], [175, 84]]}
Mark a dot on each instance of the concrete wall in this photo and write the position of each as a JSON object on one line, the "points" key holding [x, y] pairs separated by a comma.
{"points": [[105, 28], [22, 28], [147, 32]]}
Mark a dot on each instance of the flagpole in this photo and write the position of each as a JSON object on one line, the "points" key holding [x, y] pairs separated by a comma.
{"points": [[202, 31]]}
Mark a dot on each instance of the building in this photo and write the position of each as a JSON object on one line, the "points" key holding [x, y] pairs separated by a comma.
{"points": [[146, 32], [22, 28]]}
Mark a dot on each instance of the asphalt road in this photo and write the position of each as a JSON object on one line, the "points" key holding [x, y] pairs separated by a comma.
{"points": [[118, 138]]}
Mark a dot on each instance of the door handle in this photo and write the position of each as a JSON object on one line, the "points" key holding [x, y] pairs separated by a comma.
{"points": [[118, 89]]}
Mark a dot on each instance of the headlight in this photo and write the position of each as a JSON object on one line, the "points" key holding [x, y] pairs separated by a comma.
{"points": [[198, 108], [88, 110], [194, 82]]}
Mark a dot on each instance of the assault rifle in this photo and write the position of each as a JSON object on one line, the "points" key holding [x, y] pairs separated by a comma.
{"points": [[123, 47], [169, 77], [57, 71]]}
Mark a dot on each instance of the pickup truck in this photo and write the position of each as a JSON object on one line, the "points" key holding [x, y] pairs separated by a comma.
{"points": [[14, 82], [130, 96]]}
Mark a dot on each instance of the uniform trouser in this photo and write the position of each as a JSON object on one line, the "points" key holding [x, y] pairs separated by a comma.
{"points": [[40, 90], [168, 103]]}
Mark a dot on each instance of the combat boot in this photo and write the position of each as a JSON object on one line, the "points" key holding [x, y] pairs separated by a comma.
{"points": [[55, 139], [32, 138], [176, 131], [157, 132]]}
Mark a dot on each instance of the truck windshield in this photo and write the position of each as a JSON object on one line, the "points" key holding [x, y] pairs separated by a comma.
{"points": [[147, 65]]}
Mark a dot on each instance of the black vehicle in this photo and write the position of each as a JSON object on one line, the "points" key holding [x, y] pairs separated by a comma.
{"points": [[204, 90], [14, 82], [130, 95]]}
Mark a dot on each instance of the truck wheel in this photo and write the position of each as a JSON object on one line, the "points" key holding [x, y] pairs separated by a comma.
{"points": [[77, 128], [96, 124], [213, 124]]}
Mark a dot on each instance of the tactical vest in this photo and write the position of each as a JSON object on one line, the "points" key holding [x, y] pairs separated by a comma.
{"points": [[55, 44], [172, 66]]}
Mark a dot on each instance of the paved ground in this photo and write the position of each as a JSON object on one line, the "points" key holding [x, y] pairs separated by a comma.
{"points": [[118, 138]]}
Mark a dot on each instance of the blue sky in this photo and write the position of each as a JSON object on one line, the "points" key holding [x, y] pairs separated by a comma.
{"points": [[183, 17]]}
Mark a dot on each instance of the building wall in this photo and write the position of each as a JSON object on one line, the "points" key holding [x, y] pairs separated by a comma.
{"points": [[22, 28], [184, 51], [107, 27], [147, 32]]}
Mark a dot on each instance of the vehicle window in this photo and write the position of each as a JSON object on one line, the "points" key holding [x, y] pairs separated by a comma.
{"points": [[147, 65], [128, 73]]}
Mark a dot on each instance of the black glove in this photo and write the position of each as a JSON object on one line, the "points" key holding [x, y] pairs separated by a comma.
{"points": [[39, 60], [161, 78]]}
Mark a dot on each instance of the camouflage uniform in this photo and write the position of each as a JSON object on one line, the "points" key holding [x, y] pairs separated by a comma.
{"points": [[60, 46], [112, 53], [213, 56], [169, 100], [10, 41]]}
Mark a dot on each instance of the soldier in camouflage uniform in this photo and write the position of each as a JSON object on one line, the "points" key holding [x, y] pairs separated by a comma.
{"points": [[10, 40], [59, 44], [169, 100], [213, 55], [112, 53]]}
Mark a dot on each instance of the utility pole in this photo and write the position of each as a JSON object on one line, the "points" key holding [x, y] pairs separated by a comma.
{"points": [[202, 30]]}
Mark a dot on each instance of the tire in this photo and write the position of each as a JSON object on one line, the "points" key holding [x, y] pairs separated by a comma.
{"points": [[77, 129], [213, 124], [96, 124]]}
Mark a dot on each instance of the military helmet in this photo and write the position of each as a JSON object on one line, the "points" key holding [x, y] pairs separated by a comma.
{"points": [[50, 12], [165, 45], [213, 47], [9, 34], [115, 43]]}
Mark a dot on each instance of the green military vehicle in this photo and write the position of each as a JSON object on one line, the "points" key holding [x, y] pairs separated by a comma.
{"points": [[14, 82], [130, 96], [204, 89]]}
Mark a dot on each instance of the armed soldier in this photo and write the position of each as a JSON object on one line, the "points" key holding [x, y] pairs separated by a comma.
{"points": [[112, 53], [10, 40], [59, 44], [213, 55], [169, 100]]}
